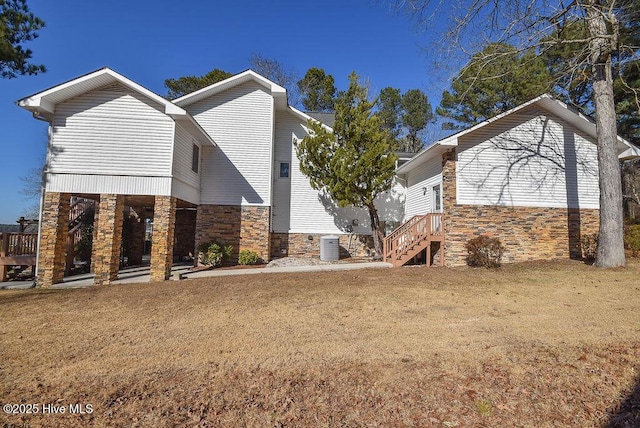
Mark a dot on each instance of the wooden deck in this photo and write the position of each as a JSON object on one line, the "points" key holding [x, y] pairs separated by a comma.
{"points": [[17, 249], [417, 234]]}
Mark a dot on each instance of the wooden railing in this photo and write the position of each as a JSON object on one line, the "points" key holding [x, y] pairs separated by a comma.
{"points": [[18, 244], [419, 231], [17, 249]]}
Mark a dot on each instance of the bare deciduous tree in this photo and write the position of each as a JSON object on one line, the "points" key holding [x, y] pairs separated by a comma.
{"points": [[532, 24]]}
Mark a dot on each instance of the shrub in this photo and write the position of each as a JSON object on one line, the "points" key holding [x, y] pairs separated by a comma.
{"points": [[214, 254], [632, 239], [248, 257], [484, 251], [589, 245]]}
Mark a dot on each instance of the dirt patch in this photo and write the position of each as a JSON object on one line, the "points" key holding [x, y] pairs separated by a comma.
{"points": [[536, 344]]}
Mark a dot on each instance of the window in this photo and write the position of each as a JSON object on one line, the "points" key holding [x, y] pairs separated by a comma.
{"points": [[436, 201], [284, 169], [195, 159]]}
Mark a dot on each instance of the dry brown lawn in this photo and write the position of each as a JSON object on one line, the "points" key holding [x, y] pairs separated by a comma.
{"points": [[531, 345]]}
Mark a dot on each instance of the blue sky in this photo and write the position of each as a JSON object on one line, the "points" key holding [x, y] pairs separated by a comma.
{"points": [[149, 41]]}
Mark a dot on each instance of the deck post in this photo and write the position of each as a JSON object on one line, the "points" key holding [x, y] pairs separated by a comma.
{"points": [[4, 251], [384, 249]]}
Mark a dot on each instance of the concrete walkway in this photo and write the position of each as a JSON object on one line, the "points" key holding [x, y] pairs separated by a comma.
{"points": [[141, 274]]}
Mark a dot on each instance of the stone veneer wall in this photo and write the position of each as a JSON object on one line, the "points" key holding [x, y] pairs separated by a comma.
{"points": [[299, 245], [164, 219], [106, 246], [53, 238], [528, 233], [243, 227]]}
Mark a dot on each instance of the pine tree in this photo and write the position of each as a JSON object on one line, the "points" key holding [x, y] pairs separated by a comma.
{"points": [[497, 79], [318, 90], [416, 115], [17, 25], [356, 162], [188, 84], [389, 109], [404, 116]]}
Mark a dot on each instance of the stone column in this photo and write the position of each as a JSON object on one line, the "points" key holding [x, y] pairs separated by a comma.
{"points": [[254, 231], [52, 249], [164, 219], [448, 200], [108, 239]]}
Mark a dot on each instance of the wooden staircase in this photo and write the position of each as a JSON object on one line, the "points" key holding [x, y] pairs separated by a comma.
{"points": [[77, 217], [417, 234]]}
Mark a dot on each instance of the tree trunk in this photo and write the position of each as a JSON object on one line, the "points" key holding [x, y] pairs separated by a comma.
{"points": [[378, 236], [610, 241]]}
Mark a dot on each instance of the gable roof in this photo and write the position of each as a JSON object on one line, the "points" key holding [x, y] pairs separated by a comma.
{"points": [[43, 104], [278, 92], [546, 102]]}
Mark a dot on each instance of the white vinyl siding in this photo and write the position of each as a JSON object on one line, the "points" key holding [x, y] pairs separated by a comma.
{"points": [[298, 208], [527, 159], [125, 185], [420, 182], [182, 160], [238, 171], [111, 131]]}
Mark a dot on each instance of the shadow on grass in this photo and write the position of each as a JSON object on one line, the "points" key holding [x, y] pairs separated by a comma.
{"points": [[628, 414]]}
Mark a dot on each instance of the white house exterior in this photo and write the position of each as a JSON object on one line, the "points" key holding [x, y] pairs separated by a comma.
{"points": [[220, 164], [217, 164], [528, 176]]}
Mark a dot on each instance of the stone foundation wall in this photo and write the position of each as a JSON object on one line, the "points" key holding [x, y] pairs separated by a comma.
{"points": [[299, 245], [243, 227], [528, 233]]}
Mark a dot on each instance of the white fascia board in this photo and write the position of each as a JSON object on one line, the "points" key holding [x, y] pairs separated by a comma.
{"points": [[424, 155], [67, 84], [632, 152], [169, 108], [41, 102], [449, 141], [36, 103], [276, 90]]}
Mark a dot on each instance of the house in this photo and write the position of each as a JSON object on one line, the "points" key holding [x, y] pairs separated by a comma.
{"points": [[528, 176], [220, 164], [216, 164]]}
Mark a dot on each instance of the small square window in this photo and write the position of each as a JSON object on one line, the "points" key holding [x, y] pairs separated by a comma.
{"points": [[195, 159], [284, 169]]}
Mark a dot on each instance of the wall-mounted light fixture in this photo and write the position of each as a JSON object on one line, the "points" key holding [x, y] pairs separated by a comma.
{"points": [[424, 191]]}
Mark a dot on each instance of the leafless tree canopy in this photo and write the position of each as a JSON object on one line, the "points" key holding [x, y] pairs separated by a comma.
{"points": [[541, 25]]}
